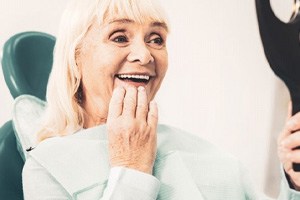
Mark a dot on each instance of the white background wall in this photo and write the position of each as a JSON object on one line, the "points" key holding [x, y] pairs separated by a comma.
{"points": [[219, 85]]}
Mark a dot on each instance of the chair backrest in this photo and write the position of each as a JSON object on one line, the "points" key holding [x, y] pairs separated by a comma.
{"points": [[11, 165], [26, 62]]}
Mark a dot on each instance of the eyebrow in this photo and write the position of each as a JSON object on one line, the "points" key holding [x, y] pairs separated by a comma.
{"points": [[153, 24], [160, 24]]}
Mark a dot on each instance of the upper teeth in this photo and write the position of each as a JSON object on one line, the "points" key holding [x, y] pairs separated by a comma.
{"points": [[134, 76]]}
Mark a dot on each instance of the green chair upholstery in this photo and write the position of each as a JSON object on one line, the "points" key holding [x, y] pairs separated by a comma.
{"points": [[26, 62], [11, 165]]}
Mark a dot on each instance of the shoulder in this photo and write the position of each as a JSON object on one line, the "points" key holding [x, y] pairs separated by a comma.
{"points": [[73, 161], [83, 145], [77, 142]]}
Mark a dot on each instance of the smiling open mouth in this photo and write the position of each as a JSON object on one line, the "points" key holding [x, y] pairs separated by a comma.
{"points": [[134, 78]]}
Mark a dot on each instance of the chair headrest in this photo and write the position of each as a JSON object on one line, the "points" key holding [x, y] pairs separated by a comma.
{"points": [[26, 62]]}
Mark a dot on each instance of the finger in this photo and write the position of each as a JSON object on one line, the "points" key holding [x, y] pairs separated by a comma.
{"points": [[288, 167], [292, 141], [283, 135], [142, 104], [116, 103], [289, 111], [129, 106], [293, 123], [285, 132], [294, 156], [294, 177], [152, 117]]}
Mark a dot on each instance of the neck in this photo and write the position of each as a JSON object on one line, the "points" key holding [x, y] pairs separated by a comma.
{"points": [[91, 121], [94, 113]]}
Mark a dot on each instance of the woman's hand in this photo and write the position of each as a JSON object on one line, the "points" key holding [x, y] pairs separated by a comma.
{"points": [[131, 125], [288, 140]]}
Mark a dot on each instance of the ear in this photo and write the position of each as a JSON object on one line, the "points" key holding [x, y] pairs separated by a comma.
{"points": [[78, 56]]}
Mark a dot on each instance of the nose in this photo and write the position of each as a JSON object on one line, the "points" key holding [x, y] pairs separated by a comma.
{"points": [[140, 53]]}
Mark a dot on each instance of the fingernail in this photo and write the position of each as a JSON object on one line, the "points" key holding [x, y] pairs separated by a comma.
{"points": [[119, 88], [141, 88]]}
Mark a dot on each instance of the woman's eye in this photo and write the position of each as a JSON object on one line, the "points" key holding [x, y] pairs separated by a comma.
{"points": [[157, 41], [120, 39]]}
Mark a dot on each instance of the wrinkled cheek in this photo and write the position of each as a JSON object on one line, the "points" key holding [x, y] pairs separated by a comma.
{"points": [[163, 67], [158, 82], [162, 72]]}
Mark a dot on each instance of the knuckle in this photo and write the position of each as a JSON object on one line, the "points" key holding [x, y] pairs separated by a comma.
{"points": [[154, 115], [129, 129], [130, 101], [142, 107], [142, 126], [127, 109], [142, 104], [127, 125]]}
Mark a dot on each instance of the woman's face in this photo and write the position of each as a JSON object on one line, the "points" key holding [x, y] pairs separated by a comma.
{"points": [[121, 53]]}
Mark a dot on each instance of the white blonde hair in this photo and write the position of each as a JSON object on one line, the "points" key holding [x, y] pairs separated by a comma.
{"points": [[64, 113]]}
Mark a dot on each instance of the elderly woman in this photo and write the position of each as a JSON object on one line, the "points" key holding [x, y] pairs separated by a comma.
{"points": [[101, 140]]}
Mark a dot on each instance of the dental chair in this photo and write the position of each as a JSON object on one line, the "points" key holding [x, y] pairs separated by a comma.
{"points": [[26, 63]]}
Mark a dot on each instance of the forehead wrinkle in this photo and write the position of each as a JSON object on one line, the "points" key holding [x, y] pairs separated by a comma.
{"points": [[124, 21], [152, 24]]}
